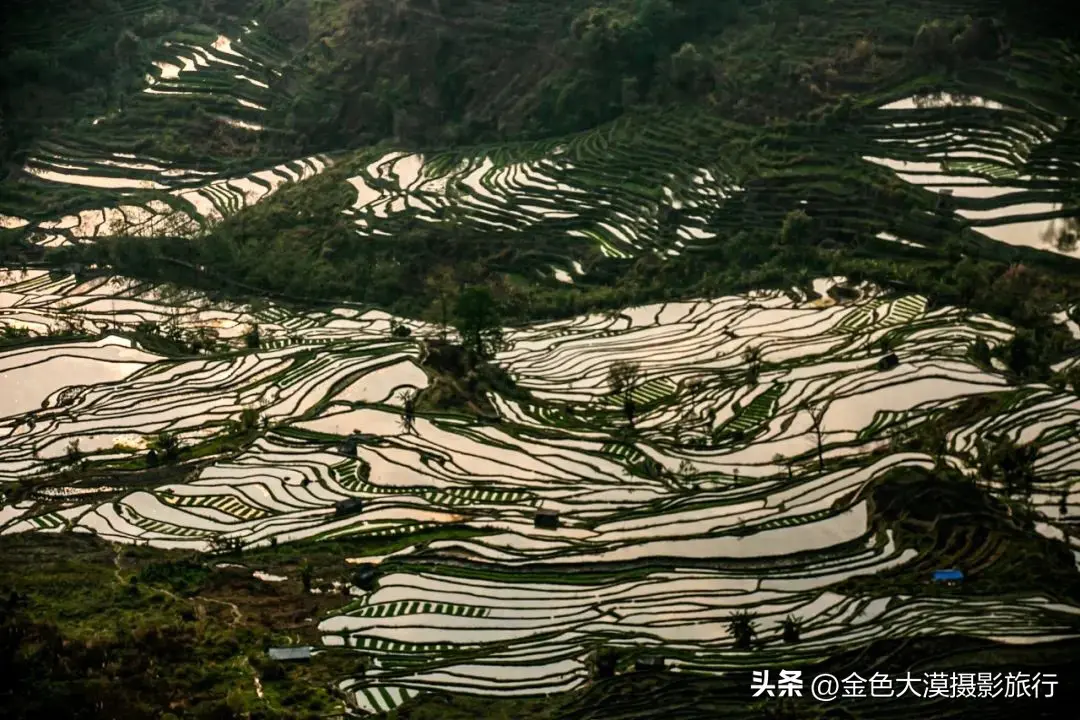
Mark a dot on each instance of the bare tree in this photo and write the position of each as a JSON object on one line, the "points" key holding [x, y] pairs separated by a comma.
{"points": [[687, 471], [441, 283], [780, 459], [408, 415], [817, 414], [623, 377]]}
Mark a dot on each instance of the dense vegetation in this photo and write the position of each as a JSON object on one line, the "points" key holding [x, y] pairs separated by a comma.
{"points": [[426, 73], [93, 631]]}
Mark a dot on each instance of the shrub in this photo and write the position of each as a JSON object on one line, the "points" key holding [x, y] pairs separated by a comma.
{"points": [[933, 45]]}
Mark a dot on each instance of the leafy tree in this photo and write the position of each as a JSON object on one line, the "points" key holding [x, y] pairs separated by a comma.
{"points": [[248, 421], [622, 379], [1072, 378], [408, 413], [629, 408], [933, 45], [399, 329], [166, 447], [1009, 463], [983, 38], [73, 456], [687, 471], [690, 71], [1017, 464], [798, 228], [478, 321], [609, 37], [252, 338], [742, 629], [306, 575], [792, 627], [1021, 351], [969, 278], [201, 339], [147, 327]]}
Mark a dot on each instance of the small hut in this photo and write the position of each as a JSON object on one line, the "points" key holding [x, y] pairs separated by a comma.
{"points": [[948, 577], [300, 653], [348, 506], [546, 519], [649, 663], [348, 448]]}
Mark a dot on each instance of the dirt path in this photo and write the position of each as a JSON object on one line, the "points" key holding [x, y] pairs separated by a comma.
{"points": [[118, 550], [198, 600], [238, 616]]}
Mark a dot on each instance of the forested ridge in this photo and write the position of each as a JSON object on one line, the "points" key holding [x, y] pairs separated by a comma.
{"points": [[428, 73]]}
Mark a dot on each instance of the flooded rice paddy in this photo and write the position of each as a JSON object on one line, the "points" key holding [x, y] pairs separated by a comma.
{"points": [[736, 486]]}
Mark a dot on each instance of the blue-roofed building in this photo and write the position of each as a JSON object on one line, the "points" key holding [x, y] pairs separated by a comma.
{"points": [[948, 576]]}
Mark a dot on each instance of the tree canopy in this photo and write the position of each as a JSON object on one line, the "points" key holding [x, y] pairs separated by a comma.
{"points": [[478, 321]]}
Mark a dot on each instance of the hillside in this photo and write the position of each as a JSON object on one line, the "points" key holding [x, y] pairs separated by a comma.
{"points": [[535, 359], [429, 74]]}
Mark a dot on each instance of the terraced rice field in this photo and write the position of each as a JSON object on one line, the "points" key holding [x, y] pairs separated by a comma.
{"points": [[633, 187], [986, 158], [517, 611], [233, 81], [714, 504]]}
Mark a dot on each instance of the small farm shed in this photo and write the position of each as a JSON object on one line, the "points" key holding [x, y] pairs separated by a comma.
{"points": [[649, 663], [348, 506], [301, 653], [546, 519], [348, 447], [950, 577]]}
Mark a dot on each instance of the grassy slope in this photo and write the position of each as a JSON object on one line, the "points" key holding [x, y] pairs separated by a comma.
{"points": [[133, 632]]}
